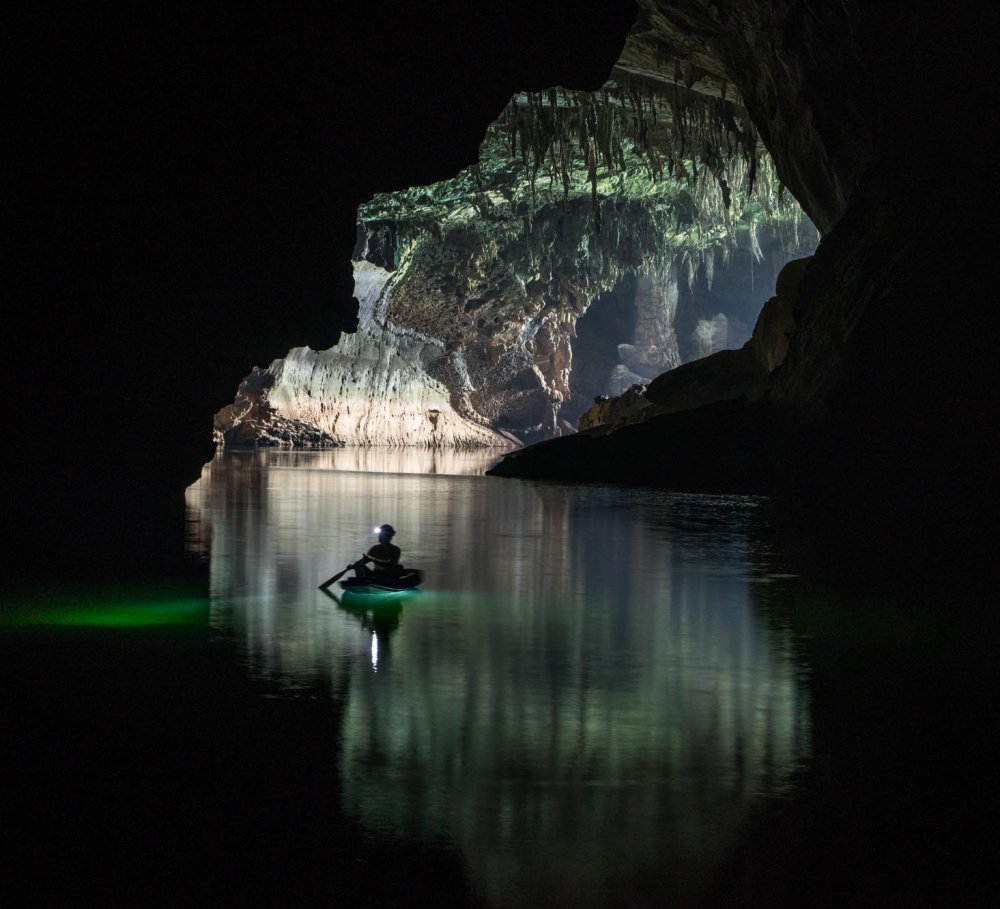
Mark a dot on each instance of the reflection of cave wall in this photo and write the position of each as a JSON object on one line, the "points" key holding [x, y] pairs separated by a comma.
{"points": [[497, 722]]}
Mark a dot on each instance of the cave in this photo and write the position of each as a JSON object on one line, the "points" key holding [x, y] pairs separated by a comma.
{"points": [[156, 247], [204, 214], [472, 291]]}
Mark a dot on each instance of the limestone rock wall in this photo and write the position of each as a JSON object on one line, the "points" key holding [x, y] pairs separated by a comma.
{"points": [[591, 249], [654, 348], [544, 331], [801, 72], [875, 425], [375, 388], [608, 413], [479, 334]]}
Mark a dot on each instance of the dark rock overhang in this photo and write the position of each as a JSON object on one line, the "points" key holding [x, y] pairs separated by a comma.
{"points": [[880, 412]]}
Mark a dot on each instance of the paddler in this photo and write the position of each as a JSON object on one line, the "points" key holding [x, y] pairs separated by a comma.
{"points": [[384, 556]]}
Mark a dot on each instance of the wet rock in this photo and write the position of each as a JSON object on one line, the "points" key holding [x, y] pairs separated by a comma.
{"points": [[251, 421]]}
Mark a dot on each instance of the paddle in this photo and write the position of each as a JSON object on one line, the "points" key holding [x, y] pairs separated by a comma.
{"points": [[332, 596], [335, 578]]}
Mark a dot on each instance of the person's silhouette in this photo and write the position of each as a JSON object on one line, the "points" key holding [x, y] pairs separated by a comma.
{"points": [[384, 556]]}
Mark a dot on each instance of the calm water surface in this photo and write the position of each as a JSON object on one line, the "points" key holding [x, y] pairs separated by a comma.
{"points": [[600, 697], [582, 702]]}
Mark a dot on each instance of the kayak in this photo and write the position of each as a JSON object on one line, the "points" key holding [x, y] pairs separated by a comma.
{"points": [[408, 580]]}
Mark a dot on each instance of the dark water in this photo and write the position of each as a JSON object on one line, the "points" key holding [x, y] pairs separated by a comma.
{"points": [[601, 697]]}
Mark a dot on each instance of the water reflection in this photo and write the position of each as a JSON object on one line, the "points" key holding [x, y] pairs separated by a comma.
{"points": [[378, 613], [448, 461], [581, 700]]}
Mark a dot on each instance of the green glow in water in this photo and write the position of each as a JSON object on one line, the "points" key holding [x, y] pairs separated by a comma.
{"points": [[116, 610], [374, 597]]}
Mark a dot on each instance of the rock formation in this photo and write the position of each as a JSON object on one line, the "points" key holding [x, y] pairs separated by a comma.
{"points": [[378, 387], [589, 250], [874, 422], [722, 376], [173, 225]]}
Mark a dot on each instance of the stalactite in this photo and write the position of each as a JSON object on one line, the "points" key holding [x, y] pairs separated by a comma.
{"points": [[669, 175]]}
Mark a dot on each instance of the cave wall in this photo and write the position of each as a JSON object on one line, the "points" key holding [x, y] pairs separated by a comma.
{"points": [[804, 73], [486, 332], [578, 198], [860, 105], [377, 387], [175, 207], [720, 307], [514, 302], [873, 430], [575, 196]]}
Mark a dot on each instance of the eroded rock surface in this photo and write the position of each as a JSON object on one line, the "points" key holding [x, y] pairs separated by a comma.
{"points": [[377, 387], [631, 406]]}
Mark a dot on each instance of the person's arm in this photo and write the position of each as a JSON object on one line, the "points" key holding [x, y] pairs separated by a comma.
{"points": [[365, 559], [393, 558]]}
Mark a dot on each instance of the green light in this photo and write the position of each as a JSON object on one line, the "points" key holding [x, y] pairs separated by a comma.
{"points": [[375, 597], [114, 610]]}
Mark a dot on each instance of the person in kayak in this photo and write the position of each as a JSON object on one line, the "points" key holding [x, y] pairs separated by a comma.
{"points": [[384, 556]]}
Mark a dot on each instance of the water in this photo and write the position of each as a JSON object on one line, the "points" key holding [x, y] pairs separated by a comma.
{"points": [[581, 697], [600, 697]]}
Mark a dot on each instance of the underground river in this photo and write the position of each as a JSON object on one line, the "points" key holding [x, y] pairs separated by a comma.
{"points": [[601, 696]]}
